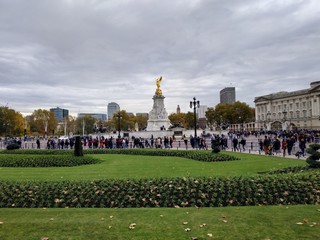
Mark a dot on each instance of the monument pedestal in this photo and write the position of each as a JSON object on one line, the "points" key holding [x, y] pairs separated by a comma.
{"points": [[158, 116]]}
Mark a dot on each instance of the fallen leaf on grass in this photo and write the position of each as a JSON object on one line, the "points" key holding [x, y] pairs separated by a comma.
{"points": [[187, 229], [132, 226], [1, 223], [44, 238], [209, 235], [299, 223], [225, 221], [51, 219]]}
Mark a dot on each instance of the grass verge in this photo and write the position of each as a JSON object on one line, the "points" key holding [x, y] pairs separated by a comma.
{"points": [[266, 222], [114, 166]]}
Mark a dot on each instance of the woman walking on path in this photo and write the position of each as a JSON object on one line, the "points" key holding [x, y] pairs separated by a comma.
{"points": [[284, 145]]}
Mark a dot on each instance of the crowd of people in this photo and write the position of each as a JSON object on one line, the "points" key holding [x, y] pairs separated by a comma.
{"points": [[278, 142], [267, 142]]}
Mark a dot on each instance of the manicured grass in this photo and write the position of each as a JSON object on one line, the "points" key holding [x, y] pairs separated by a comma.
{"points": [[132, 166], [272, 222]]}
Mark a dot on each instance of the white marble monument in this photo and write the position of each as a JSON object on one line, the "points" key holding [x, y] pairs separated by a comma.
{"points": [[158, 116]]}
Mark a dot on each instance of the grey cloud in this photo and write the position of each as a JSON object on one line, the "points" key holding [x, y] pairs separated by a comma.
{"points": [[83, 54]]}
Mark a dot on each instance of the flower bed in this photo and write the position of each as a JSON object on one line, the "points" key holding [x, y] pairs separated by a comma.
{"points": [[10, 160], [205, 156], [175, 192]]}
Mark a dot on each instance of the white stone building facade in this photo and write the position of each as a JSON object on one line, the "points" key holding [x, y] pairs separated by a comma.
{"points": [[288, 110]]}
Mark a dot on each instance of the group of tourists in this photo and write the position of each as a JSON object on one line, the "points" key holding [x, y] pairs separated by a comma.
{"points": [[278, 142], [273, 146]]}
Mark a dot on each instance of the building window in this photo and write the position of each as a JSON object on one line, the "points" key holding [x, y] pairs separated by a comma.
{"points": [[290, 106], [305, 114], [291, 114], [298, 114], [297, 105]]}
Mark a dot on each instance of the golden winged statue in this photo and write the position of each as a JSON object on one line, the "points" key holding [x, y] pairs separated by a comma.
{"points": [[158, 90]]}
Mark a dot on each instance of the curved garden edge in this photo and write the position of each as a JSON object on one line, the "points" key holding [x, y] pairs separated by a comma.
{"points": [[201, 155]]}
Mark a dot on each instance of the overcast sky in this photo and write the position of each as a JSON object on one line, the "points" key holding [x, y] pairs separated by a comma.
{"points": [[82, 54]]}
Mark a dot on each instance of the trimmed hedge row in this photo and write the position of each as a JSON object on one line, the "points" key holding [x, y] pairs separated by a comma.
{"points": [[205, 156], [38, 151], [45, 160], [176, 192], [296, 169]]}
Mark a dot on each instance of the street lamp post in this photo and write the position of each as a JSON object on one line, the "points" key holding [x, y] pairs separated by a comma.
{"points": [[268, 119], [284, 115], [284, 112], [195, 104], [119, 121]]}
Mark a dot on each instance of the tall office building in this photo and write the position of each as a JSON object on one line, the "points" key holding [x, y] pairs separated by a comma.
{"points": [[99, 116], [202, 116], [112, 109], [59, 113], [228, 95]]}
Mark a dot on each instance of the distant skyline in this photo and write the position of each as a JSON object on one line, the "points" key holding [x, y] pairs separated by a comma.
{"points": [[82, 54]]}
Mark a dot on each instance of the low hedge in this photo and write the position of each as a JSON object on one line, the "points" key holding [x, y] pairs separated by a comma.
{"points": [[44, 160], [201, 155], [164, 192], [290, 170], [38, 151], [205, 156]]}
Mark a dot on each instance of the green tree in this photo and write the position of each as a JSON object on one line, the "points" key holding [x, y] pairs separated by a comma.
{"points": [[126, 121], [142, 121], [210, 117], [230, 113], [189, 120], [178, 119], [11, 122], [85, 125], [68, 123], [43, 122]]}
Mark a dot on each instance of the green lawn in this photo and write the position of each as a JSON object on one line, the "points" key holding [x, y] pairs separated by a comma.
{"points": [[272, 222], [264, 222], [133, 166]]}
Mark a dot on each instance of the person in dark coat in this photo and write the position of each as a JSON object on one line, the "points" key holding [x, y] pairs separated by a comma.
{"points": [[302, 146], [290, 143], [235, 144]]}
